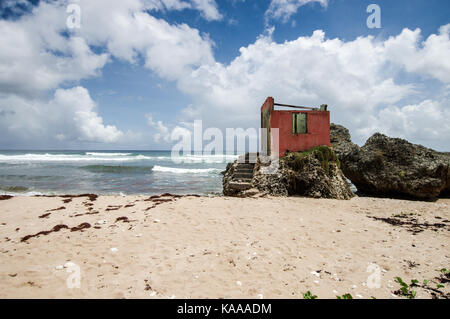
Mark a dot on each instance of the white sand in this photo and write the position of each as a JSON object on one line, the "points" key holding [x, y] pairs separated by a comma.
{"points": [[217, 247]]}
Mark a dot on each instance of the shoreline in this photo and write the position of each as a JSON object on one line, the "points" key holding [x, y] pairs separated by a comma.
{"points": [[176, 246], [214, 194], [81, 194]]}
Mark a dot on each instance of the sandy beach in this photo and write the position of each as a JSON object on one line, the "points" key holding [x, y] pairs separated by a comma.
{"points": [[219, 247]]}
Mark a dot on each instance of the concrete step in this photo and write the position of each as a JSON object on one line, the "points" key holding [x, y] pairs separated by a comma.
{"points": [[240, 185], [244, 170], [248, 158], [243, 175], [242, 180], [246, 165], [250, 169]]}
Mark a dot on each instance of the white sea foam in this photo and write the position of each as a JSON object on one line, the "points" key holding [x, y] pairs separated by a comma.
{"points": [[67, 158], [107, 154], [27, 194], [118, 157], [175, 170], [218, 158]]}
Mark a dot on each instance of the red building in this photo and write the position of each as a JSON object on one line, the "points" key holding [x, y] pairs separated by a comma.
{"points": [[299, 130]]}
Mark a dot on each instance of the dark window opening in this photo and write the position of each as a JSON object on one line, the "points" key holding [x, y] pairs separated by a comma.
{"points": [[299, 123]]}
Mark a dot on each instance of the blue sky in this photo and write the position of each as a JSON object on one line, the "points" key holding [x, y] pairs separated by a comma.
{"points": [[186, 63], [345, 19]]}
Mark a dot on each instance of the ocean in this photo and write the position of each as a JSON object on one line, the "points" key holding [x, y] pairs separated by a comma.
{"points": [[109, 173]]}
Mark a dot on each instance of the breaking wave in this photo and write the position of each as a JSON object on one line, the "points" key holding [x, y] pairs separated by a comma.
{"points": [[117, 169], [175, 170], [111, 157], [200, 158], [68, 158], [107, 154]]}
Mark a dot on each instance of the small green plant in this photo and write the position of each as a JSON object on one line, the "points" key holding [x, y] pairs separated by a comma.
{"points": [[405, 289], [346, 296], [308, 295], [324, 154]]}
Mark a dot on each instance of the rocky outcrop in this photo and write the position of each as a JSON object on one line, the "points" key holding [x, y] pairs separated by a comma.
{"points": [[314, 173], [393, 167], [269, 178], [341, 141]]}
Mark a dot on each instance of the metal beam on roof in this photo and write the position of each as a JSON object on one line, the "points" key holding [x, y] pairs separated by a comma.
{"points": [[323, 107]]}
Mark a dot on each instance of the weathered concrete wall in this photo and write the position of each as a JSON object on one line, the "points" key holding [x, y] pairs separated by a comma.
{"points": [[266, 110], [318, 123]]}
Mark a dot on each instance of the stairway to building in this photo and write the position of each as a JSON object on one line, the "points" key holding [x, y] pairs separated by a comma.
{"points": [[243, 173]]}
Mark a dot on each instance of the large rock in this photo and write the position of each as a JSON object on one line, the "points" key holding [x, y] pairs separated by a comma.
{"points": [[341, 141], [393, 167], [227, 180], [312, 174], [272, 182]]}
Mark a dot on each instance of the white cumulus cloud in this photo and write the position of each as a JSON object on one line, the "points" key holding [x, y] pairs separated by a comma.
{"points": [[70, 115], [428, 58], [89, 125], [207, 8], [358, 79], [284, 9], [35, 56], [399, 85], [40, 54]]}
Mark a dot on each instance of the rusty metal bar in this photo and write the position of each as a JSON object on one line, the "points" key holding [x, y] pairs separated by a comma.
{"points": [[296, 106]]}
